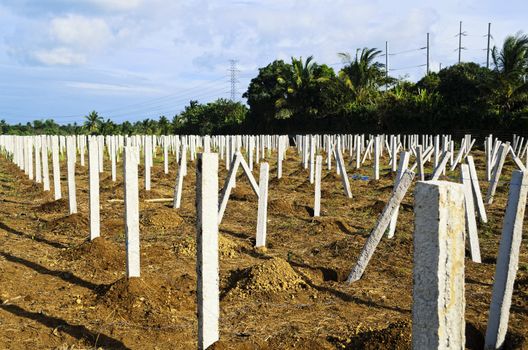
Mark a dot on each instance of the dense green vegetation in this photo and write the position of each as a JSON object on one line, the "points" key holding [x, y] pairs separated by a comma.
{"points": [[304, 96]]}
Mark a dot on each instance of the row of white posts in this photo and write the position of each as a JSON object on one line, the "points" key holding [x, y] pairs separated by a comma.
{"points": [[441, 217]]}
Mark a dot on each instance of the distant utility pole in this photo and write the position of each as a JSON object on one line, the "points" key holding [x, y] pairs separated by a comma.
{"points": [[488, 49], [460, 48], [386, 65], [427, 53], [440, 66], [233, 73]]}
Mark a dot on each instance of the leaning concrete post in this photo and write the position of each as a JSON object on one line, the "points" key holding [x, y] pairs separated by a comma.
{"points": [[382, 224], [130, 168], [207, 249], [93, 160], [262, 215], [317, 196], [178, 188], [70, 161], [476, 190], [471, 223], [438, 272], [402, 166], [440, 168], [507, 261], [497, 169], [56, 167], [342, 171]]}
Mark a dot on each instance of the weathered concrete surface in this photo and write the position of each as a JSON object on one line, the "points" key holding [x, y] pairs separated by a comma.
{"points": [[438, 271], [207, 267], [130, 168], [507, 261], [382, 224], [262, 215], [317, 192], [471, 222]]}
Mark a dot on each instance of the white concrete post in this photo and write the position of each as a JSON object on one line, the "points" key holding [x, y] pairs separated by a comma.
{"points": [[376, 157], [93, 159], [382, 224], [262, 216], [507, 261], [476, 190], [45, 165], [438, 271], [207, 267], [113, 157], [497, 169], [130, 169], [147, 153], [178, 188], [29, 145], [471, 222], [38, 158], [70, 161], [56, 167], [312, 158], [166, 153], [317, 195], [419, 161], [100, 138]]}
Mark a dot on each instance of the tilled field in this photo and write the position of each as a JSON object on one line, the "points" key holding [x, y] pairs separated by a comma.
{"points": [[59, 291]]}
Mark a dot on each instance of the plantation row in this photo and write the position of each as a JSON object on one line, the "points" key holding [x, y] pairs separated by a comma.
{"points": [[446, 212]]}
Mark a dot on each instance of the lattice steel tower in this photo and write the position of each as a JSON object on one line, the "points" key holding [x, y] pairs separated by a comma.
{"points": [[234, 80]]}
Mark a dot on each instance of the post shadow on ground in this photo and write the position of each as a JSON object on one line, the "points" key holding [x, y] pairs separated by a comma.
{"points": [[34, 238], [64, 275], [342, 295], [79, 332]]}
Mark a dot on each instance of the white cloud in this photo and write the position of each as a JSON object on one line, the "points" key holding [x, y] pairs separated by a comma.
{"points": [[59, 56], [105, 88], [116, 5], [82, 32]]}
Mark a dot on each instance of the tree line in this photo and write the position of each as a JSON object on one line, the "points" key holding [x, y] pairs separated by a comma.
{"points": [[303, 96]]}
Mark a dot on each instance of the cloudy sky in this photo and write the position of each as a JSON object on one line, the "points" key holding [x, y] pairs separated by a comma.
{"points": [[131, 59]]}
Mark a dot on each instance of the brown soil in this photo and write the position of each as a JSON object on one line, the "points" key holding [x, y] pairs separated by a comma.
{"points": [[60, 291]]}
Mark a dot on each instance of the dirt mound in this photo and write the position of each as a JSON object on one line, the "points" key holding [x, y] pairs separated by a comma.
{"points": [[99, 254], [58, 206], [152, 194], [326, 225], [74, 222], [161, 217], [187, 247], [270, 278], [395, 336], [282, 206], [152, 302], [242, 192]]}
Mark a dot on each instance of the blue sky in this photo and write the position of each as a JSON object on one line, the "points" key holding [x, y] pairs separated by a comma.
{"points": [[132, 59]]}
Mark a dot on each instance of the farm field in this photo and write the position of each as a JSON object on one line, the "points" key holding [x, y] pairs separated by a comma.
{"points": [[60, 291]]}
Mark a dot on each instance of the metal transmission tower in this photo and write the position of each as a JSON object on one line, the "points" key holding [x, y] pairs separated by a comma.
{"points": [[488, 48], [234, 80], [460, 48]]}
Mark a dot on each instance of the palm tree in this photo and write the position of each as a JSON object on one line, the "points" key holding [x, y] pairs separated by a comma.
{"points": [[93, 122], [301, 81], [363, 74], [511, 66]]}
